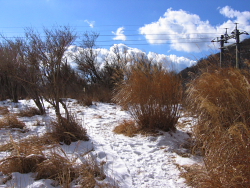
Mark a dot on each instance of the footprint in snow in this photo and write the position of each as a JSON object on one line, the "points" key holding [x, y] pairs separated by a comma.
{"points": [[137, 152], [101, 155]]}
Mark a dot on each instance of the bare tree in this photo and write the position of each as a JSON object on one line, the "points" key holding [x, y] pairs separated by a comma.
{"points": [[115, 66], [9, 68], [29, 72], [49, 51], [87, 58]]}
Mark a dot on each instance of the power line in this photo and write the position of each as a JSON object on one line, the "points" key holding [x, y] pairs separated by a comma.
{"points": [[142, 44], [95, 25], [139, 34]]}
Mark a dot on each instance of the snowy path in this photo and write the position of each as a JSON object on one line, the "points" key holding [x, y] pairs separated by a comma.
{"points": [[130, 162], [134, 162]]}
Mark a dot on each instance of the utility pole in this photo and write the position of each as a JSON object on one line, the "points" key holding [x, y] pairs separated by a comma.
{"points": [[236, 35], [237, 38], [222, 40]]}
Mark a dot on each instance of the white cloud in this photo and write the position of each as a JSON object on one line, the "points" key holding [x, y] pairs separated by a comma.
{"points": [[229, 12], [170, 62], [187, 32], [242, 18], [91, 23], [119, 34]]}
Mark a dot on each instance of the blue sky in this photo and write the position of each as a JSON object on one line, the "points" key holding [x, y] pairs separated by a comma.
{"points": [[172, 27]]}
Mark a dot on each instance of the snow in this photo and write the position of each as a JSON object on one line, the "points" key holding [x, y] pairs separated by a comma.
{"points": [[139, 161]]}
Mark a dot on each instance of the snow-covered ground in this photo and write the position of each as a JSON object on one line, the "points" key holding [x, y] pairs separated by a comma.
{"points": [[139, 161]]}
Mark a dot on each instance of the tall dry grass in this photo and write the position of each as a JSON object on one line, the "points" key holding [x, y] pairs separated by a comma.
{"points": [[67, 130], [152, 95], [222, 101]]}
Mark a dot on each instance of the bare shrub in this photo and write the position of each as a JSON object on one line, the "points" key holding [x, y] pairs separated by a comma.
{"points": [[222, 101], [152, 96], [29, 112], [68, 130], [95, 92], [86, 100], [127, 127], [11, 121]]}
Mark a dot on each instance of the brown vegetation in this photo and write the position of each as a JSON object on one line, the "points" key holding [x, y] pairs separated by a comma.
{"points": [[11, 121], [29, 112], [127, 127], [222, 101], [3, 110], [152, 95], [67, 130], [28, 156]]}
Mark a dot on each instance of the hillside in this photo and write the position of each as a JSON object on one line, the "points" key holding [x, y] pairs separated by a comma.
{"points": [[213, 61]]}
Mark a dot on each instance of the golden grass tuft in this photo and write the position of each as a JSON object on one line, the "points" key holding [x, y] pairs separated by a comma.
{"points": [[11, 121], [29, 112], [152, 95], [127, 128], [222, 101], [67, 130]]}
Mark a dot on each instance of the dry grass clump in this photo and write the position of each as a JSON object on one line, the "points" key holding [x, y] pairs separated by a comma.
{"points": [[68, 130], [3, 110], [11, 121], [28, 156], [152, 95], [195, 175], [127, 127], [222, 101], [29, 143], [52, 166], [24, 157], [66, 171], [22, 164], [58, 168], [29, 112]]}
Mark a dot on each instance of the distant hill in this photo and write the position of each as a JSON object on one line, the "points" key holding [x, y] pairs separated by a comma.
{"points": [[213, 61]]}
